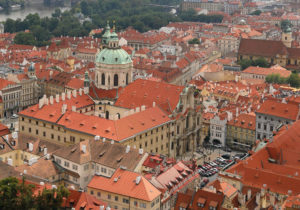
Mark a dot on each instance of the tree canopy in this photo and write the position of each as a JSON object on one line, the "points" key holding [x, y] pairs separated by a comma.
{"points": [[15, 195], [194, 41], [261, 62], [293, 80]]}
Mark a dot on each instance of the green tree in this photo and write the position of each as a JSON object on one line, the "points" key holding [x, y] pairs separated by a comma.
{"points": [[194, 41], [85, 9], [261, 62], [245, 63], [256, 12], [9, 26], [17, 195], [294, 80], [25, 38]]}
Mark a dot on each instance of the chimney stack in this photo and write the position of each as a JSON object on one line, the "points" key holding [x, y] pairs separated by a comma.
{"points": [[73, 108], [80, 91], [74, 92], [69, 94], [63, 96], [51, 100], [57, 98]]}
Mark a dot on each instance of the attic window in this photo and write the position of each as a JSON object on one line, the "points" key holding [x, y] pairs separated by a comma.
{"points": [[101, 154], [73, 150], [81, 124], [94, 127], [119, 160]]}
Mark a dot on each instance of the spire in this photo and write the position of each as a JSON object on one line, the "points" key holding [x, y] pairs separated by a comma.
{"points": [[86, 79], [107, 25], [114, 26]]}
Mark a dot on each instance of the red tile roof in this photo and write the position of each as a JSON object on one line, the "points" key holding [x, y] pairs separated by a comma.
{"points": [[145, 92], [53, 112], [123, 182], [267, 71], [83, 200], [4, 83], [246, 121], [4, 130], [117, 130], [289, 110], [258, 47]]}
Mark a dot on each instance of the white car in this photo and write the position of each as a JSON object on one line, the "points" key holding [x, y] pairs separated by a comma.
{"points": [[14, 116]]}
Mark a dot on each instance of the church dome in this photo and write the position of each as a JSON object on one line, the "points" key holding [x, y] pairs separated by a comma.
{"points": [[113, 56]]}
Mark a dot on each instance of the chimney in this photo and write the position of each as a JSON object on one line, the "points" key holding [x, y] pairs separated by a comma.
{"points": [[143, 108], [73, 108], [41, 103], [63, 96], [249, 194], [127, 148], [51, 100], [86, 90], [30, 147], [153, 104], [50, 74], [69, 94], [45, 151], [46, 101], [80, 91], [137, 109], [57, 98], [74, 92], [131, 111], [83, 148]]}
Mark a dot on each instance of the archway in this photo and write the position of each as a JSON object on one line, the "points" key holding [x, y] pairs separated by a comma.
{"points": [[216, 142], [116, 80]]}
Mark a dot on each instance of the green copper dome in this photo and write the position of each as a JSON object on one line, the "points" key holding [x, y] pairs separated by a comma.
{"points": [[113, 56]]}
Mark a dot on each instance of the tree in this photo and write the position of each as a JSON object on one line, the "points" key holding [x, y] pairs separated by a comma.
{"points": [[85, 9], [294, 80], [245, 63], [9, 26], [25, 38], [261, 62], [256, 12], [17, 195], [194, 41]]}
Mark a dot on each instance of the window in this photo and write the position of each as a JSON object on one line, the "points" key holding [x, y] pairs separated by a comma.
{"points": [[75, 167], [86, 178], [103, 170], [37, 132], [116, 198], [125, 200], [265, 127], [109, 196], [135, 203], [44, 133], [271, 128], [22, 128], [142, 205], [36, 122], [52, 136], [57, 160], [98, 194], [92, 192], [74, 179], [86, 167], [72, 139], [67, 164], [29, 129], [258, 125]]}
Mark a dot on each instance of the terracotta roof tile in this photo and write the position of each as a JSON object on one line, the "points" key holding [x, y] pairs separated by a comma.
{"points": [[126, 185]]}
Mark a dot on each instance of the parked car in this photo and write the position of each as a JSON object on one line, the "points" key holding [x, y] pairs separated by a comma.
{"points": [[14, 116]]}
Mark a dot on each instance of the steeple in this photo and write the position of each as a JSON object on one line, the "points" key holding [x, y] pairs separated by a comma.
{"points": [[86, 80], [113, 42], [106, 35], [31, 71]]}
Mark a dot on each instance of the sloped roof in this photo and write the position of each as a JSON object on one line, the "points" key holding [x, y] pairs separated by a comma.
{"points": [[145, 92], [269, 48], [126, 185]]}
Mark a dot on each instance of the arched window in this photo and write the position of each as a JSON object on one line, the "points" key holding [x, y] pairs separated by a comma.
{"points": [[103, 79], [107, 114], [116, 80], [127, 79]]}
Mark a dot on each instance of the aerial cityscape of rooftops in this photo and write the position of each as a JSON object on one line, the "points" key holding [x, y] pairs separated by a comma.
{"points": [[150, 104]]}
